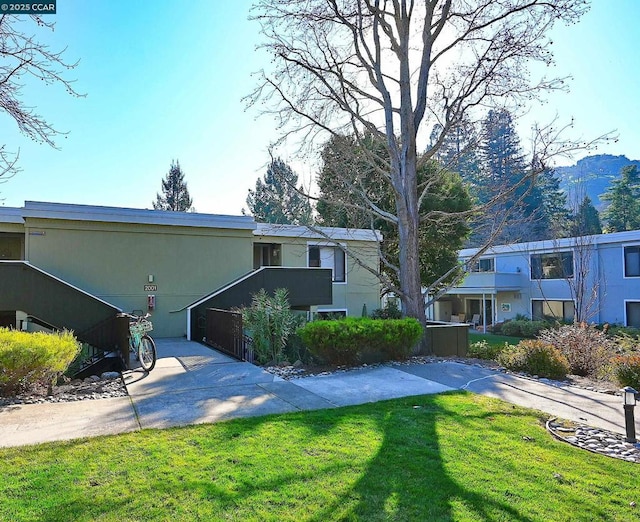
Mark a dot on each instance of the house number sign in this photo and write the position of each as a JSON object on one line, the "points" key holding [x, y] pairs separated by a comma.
{"points": [[150, 288]]}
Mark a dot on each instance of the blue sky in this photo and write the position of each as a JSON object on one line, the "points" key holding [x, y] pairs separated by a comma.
{"points": [[164, 80]]}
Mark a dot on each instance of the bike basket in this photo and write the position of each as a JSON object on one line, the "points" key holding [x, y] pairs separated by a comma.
{"points": [[140, 328]]}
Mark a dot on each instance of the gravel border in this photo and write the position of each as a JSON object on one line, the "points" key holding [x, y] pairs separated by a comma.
{"points": [[105, 386]]}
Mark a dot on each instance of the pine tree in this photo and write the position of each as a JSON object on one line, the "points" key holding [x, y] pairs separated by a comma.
{"points": [[586, 221], [623, 195], [457, 153], [554, 220], [175, 195], [504, 171], [278, 199]]}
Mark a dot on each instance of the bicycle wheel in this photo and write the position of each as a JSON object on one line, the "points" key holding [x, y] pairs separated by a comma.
{"points": [[147, 353]]}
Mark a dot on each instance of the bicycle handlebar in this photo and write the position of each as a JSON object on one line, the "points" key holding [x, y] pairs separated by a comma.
{"points": [[136, 317]]}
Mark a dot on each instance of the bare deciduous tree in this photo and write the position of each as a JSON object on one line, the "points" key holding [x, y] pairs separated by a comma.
{"points": [[393, 69], [22, 59]]}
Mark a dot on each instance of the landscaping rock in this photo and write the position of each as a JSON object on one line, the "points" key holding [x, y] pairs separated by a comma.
{"points": [[594, 439]]}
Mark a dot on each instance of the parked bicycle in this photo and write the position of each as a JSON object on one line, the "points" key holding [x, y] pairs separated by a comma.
{"points": [[140, 342]]}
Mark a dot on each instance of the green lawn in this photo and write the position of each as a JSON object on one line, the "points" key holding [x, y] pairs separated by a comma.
{"points": [[440, 457]]}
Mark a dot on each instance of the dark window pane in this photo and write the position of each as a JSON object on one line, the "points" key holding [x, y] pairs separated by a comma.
{"points": [[339, 274], [314, 256], [632, 261], [633, 314]]}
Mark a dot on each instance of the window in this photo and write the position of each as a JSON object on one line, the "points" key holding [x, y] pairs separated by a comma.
{"points": [[483, 265], [328, 315], [329, 257], [267, 254], [557, 265], [563, 310], [633, 313], [632, 261]]}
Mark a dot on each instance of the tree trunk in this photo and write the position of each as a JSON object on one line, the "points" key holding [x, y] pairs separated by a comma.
{"points": [[409, 256]]}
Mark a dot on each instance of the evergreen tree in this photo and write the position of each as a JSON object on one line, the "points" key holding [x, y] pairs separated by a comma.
{"points": [[457, 152], [586, 221], [175, 195], [555, 219], [534, 207], [623, 195], [503, 169], [350, 182], [278, 199]]}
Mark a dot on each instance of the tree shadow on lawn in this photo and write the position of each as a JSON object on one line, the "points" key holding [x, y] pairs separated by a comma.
{"points": [[396, 460], [407, 478]]}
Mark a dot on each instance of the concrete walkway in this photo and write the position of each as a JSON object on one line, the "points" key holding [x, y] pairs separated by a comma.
{"points": [[193, 384]]}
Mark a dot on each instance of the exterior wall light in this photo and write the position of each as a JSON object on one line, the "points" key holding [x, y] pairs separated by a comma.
{"points": [[629, 403]]}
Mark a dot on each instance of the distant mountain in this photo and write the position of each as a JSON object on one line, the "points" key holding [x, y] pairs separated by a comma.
{"points": [[591, 176]]}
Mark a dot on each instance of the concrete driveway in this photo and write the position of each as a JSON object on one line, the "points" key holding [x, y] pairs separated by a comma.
{"points": [[193, 384]]}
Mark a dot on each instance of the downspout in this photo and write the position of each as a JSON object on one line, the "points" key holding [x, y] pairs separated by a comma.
{"points": [[188, 324]]}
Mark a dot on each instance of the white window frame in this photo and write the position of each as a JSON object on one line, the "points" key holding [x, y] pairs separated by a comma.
{"points": [[558, 253], [557, 300], [477, 264], [331, 311], [624, 262], [334, 246], [626, 319]]}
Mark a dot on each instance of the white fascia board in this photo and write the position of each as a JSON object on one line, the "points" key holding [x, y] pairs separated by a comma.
{"points": [[37, 209], [11, 215], [301, 231], [557, 244]]}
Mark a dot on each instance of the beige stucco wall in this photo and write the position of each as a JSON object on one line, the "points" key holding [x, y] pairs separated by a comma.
{"points": [[361, 286], [114, 260]]}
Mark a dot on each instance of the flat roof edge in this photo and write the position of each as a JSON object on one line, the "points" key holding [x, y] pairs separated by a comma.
{"points": [[313, 232], [63, 211]]}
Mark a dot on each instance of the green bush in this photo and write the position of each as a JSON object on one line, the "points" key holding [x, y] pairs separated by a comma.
{"points": [[627, 343], [587, 349], [535, 358], [360, 340], [484, 350], [270, 322], [30, 358], [523, 328], [390, 311], [624, 331], [626, 369]]}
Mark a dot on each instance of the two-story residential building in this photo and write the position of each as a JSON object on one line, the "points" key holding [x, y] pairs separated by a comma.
{"points": [[596, 278], [62, 263]]}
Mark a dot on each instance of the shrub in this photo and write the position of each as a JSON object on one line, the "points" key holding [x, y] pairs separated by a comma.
{"points": [[626, 369], [353, 341], [627, 343], [587, 349], [296, 350], [484, 350], [625, 331], [523, 328], [536, 358], [30, 358], [270, 322], [390, 311]]}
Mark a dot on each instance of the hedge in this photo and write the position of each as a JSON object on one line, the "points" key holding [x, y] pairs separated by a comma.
{"points": [[361, 340]]}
